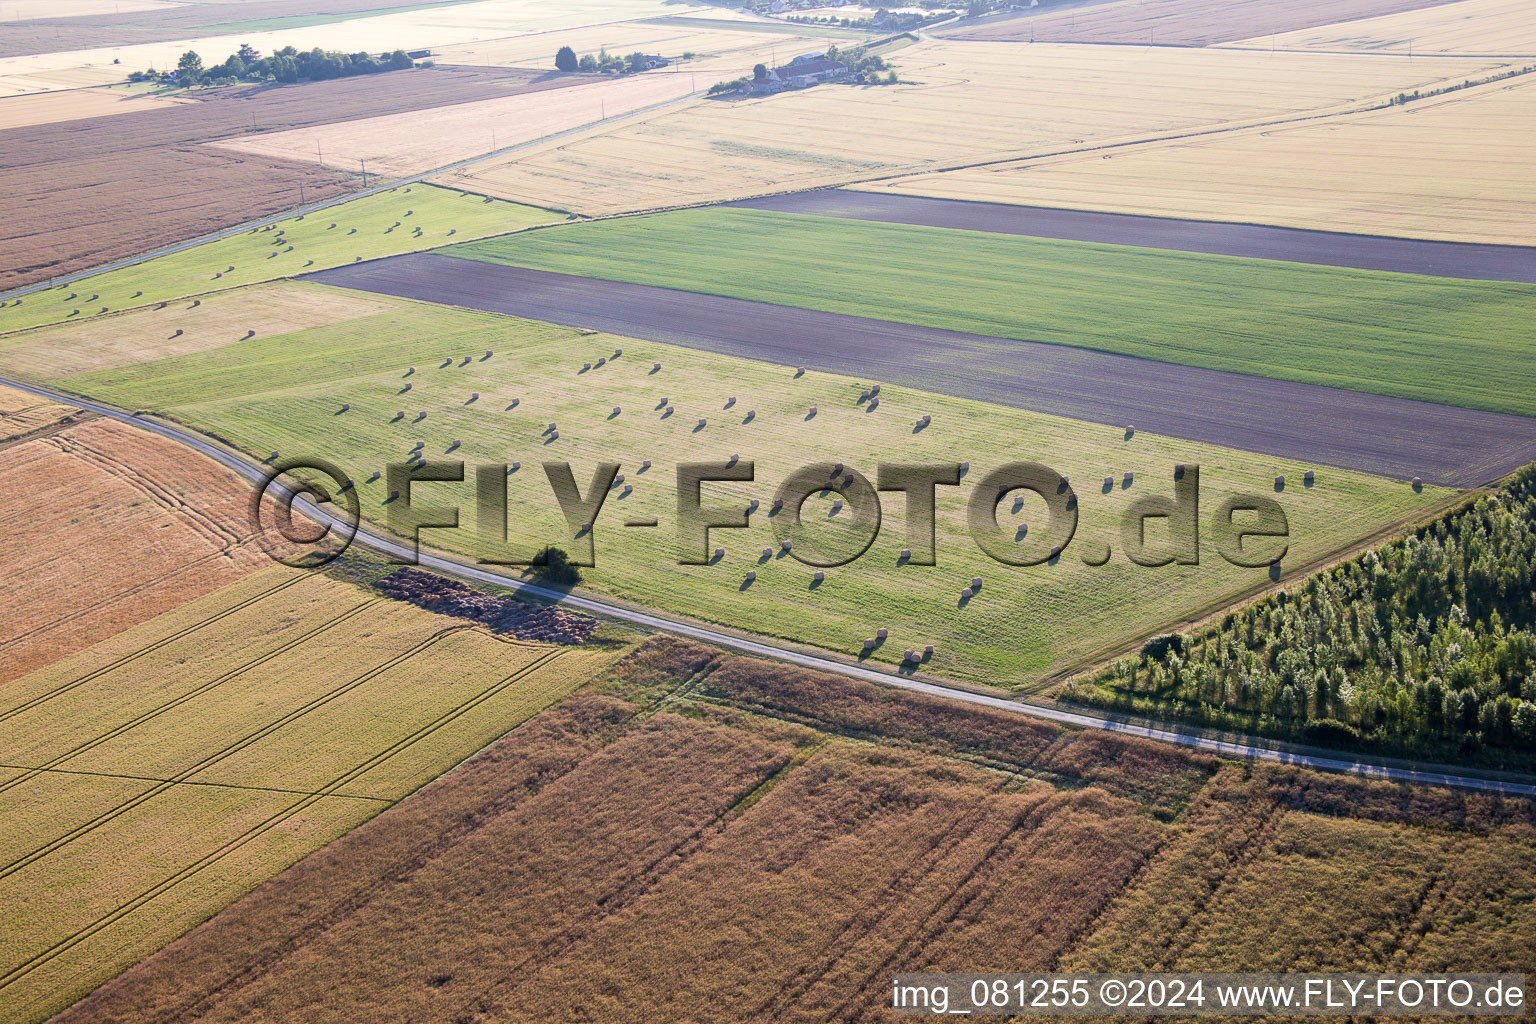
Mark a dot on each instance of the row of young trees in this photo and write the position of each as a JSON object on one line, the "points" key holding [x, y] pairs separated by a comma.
{"points": [[1425, 647], [603, 61], [285, 65]]}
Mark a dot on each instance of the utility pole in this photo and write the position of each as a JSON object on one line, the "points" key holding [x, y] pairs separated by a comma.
{"points": [[319, 156], [301, 194], [365, 171]]}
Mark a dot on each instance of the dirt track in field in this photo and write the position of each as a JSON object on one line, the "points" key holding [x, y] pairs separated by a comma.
{"points": [[1330, 426], [1328, 248], [50, 35], [1175, 22], [81, 193]]}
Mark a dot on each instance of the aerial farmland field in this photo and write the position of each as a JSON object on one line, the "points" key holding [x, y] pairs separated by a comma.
{"points": [[1374, 173], [748, 146], [788, 841], [396, 220], [276, 393], [1213, 311], [651, 511]]}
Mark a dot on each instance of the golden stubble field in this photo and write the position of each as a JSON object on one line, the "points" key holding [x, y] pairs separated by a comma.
{"points": [[1455, 167], [152, 779], [990, 101], [404, 144], [1467, 27]]}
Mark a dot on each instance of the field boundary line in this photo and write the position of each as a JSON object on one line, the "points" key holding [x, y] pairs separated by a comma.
{"points": [[142, 651], [329, 790], [1245, 748]]}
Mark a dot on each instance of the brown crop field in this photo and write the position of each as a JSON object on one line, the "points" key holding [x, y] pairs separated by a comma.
{"points": [[1444, 168], [156, 776], [40, 26], [1178, 22], [86, 192], [703, 830], [714, 150], [1464, 27], [103, 527], [146, 333]]}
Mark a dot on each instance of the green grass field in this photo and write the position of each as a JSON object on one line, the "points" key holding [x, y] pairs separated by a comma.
{"points": [[285, 393], [365, 229], [1467, 343]]}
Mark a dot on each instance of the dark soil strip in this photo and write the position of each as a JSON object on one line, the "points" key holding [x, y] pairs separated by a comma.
{"points": [[1391, 436], [1328, 248]]}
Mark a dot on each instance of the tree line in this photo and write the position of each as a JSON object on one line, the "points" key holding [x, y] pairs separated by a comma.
{"points": [[285, 65], [1425, 647]]}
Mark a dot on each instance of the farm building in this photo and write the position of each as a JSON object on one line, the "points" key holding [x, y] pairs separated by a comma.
{"points": [[803, 72]]}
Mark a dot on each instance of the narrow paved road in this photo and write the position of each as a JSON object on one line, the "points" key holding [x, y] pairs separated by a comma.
{"points": [[768, 648]]}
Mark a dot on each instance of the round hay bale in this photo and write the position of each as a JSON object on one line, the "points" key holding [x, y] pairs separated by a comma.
{"points": [[906, 553], [407, 387], [767, 552], [751, 575], [975, 582], [837, 504], [474, 396], [345, 406], [719, 552], [966, 592], [869, 643], [586, 366], [655, 367], [752, 505], [882, 632], [646, 464], [778, 503], [619, 479], [875, 390], [813, 410], [1280, 480], [1109, 482], [602, 361], [1056, 551], [551, 425], [616, 353], [1418, 482], [1308, 477], [514, 403], [488, 353], [629, 489], [617, 410], [909, 655], [554, 435], [928, 650], [837, 468], [702, 421], [394, 494], [516, 466], [874, 403], [819, 576], [786, 545]]}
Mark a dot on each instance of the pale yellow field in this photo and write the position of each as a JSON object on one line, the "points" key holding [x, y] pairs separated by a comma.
{"points": [[401, 144], [26, 10], [74, 105], [1456, 167], [1468, 27], [22, 412], [723, 51], [147, 333], [433, 28], [970, 102]]}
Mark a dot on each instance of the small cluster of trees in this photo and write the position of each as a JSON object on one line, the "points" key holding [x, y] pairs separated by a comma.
{"points": [[602, 62], [285, 65], [1425, 647], [898, 21]]}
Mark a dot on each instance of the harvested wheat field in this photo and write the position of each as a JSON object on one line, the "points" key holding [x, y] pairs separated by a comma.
{"points": [[147, 333], [714, 150], [86, 192], [736, 850], [409, 143], [407, 218], [1464, 27], [23, 414], [1178, 22], [160, 774], [1443, 168], [104, 527]]}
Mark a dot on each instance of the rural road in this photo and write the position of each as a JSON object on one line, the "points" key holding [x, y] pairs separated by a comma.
{"points": [[770, 649], [1395, 437]]}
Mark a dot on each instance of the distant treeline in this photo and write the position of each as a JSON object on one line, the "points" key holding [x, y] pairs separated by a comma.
{"points": [[1423, 648], [285, 65]]}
